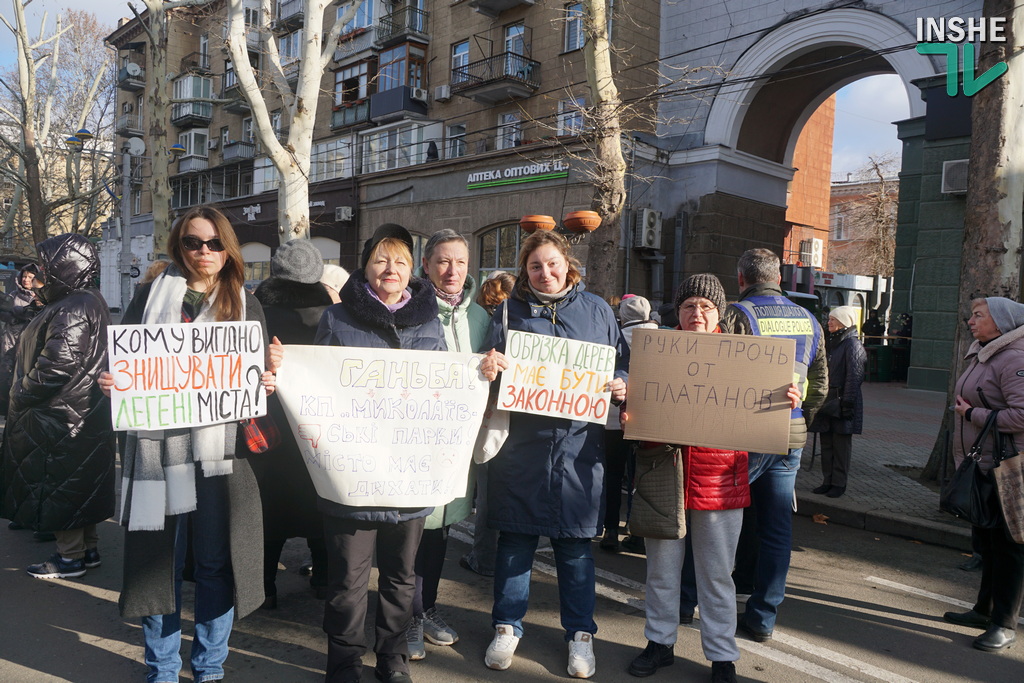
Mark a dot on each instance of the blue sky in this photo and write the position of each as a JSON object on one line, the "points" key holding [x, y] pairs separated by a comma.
{"points": [[107, 10]]}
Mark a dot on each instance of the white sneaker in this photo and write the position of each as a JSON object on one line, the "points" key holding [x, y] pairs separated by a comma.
{"points": [[502, 648], [581, 655]]}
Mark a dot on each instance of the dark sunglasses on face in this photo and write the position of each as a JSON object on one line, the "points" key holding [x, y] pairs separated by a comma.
{"points": [[193, 243]]}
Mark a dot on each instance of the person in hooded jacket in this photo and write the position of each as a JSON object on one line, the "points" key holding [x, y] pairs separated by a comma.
{"points": [[293, 300], [57, 471], [548, 478], [15, 312], [842, 414]]}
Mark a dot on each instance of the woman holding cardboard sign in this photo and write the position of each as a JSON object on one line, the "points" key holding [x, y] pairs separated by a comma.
{"points": [[212, 497], [547, 479]]}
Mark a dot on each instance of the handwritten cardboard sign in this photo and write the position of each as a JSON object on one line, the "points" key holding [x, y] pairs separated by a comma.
{"points": [[716, 390], [558, 377], [185, 374], [384, 427]]}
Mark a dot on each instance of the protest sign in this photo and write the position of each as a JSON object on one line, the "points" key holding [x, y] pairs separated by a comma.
{"points": [[716, 390], [558, 377], [384, 427], [185, 374]]}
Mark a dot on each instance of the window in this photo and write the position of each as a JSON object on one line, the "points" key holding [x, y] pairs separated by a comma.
{"points": [[331, 159], [191, 87], [456, 141], [401, 65], [225, 136], [499, 249], [839, 227], [362, 19], [195, 142], [574, 36], [252, 12], [265, 176], [509, 130], [396, 147], [136, 202], [352, 83], [275, 122], [570, 116], [230, 79], [289, 47], [460, 59], [247, 134], [140, 100], [189, 190]]}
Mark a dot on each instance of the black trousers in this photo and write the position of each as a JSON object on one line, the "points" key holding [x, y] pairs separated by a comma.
{"points": [[836, 450], [429, 563], [350, 553], [1002, 576], [616, 452]]}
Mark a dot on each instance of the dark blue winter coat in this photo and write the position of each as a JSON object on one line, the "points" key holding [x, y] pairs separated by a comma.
{"points": [[362, 320], [548, 478]]}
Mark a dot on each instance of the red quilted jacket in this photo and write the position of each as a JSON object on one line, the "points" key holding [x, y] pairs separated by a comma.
{"points": [[715, 479]]}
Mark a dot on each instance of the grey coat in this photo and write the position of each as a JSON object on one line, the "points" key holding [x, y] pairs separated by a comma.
{"points": [[149, 555]]}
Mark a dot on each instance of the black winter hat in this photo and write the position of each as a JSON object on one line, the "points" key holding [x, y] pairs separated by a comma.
{"points": [[382, 233], [705, 285]]}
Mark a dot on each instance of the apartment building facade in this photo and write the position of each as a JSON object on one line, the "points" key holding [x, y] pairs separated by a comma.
{"points": [[463, 115]]}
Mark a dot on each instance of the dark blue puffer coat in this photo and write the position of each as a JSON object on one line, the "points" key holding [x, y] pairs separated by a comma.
{"points": [[362, 320], [547, 480]]}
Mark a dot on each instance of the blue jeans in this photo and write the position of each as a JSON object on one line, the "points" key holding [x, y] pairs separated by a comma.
{"points": [[772, 481], [214, 594], [576, 591]]}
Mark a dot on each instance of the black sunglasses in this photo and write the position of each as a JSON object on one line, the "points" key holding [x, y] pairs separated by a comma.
{"points": [[193, 243]]}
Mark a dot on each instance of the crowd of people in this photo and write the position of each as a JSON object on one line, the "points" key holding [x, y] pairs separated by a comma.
{"points": [[712, 522]]}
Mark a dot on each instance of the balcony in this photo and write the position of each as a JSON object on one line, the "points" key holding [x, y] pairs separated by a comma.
{"points": [[128, 125], [196, 63], [404, 23], [350, 114], [231, 90], [252, 36], [492, 8], [190, 163], [133, 75], [291, 69], [290, 13], [190, 114], [355, 43], [397, 103], [238, 150], [501, 77]]}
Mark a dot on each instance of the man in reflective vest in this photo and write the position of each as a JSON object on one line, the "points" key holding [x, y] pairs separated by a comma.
{"points": [[762, 560]]}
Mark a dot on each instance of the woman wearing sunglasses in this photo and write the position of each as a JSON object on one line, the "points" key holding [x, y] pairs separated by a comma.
{"points": [[184, 495]]}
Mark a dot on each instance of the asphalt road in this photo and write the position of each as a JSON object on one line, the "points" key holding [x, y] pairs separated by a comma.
{"points": [[859, 607]]}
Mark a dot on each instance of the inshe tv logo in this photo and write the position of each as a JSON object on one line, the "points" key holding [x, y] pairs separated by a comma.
{"points": [[942, 37]]}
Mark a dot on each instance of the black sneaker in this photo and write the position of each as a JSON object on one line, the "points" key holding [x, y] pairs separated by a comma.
{"points": [[723, 672], [634, 544], [92, 558], [753, 634], [44, 536], [821, 489], [57, 568], [654, 656]]}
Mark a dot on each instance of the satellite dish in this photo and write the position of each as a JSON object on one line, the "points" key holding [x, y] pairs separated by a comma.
{"points": [[133, 69], [136, 147]]}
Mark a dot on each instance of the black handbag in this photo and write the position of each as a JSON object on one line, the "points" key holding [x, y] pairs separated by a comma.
{"points": [[832, 407], [971, 494]]}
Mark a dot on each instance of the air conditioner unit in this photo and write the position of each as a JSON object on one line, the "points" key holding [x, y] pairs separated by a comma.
{"points": [[817, 252], [647, 234], [954, 177], [443, 93], [419, 94], [343, 213], [213, 143]]}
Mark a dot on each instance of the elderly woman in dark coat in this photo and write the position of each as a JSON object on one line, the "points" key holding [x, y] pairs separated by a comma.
{"points": [[15, 313], [57, 470], [293, 300], [548, 478], [842, 414]]}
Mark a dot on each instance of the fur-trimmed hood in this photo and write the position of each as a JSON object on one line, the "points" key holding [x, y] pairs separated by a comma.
{"points": [[368, 310], [984, 353]]}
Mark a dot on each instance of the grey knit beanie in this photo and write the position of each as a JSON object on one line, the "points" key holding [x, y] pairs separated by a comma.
{"points": [[297, 261], [634, 309], [705, 285], [1007, 314]]}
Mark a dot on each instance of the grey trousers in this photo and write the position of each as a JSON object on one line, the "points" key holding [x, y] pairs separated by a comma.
{"points": [[836, 450], [73, 543], [713, 535]]}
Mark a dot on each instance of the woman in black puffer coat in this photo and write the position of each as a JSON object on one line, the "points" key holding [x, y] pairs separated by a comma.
{"points": [[15, 312], [842, 414], [293, 301], [57, 469]]}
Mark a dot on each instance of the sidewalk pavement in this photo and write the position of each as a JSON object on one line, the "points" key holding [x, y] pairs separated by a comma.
{"points": [[900, 426]]}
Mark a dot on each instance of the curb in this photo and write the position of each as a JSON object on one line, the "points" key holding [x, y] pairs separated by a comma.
{"points": [[886, 522]]}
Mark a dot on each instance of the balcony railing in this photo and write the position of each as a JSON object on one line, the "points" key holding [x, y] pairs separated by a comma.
{"points": [[492, 8], [192, 162], [237, 150], [349, 114], [128, 125], [196, 62], [497, 78], [191, 113], [132, 76], [402, 23], [290, 12]]}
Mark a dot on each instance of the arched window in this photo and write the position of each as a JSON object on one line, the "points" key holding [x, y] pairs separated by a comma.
{"points": [[499, 249]]}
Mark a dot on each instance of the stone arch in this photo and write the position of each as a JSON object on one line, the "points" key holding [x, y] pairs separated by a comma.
{"points": [[764, 118]]}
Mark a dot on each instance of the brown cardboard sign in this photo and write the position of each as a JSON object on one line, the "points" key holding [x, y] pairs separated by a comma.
{"points": [[716, 390]]}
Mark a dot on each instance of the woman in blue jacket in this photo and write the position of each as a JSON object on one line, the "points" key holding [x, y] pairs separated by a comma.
{"points": [[548, 478]]}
